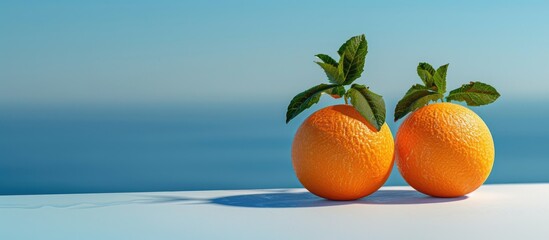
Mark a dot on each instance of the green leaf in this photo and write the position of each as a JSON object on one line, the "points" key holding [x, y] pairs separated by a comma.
{"points": [[336, 92], [432, 97], [413, 100], [426, 72], [327, 59], [341, 68], [440, 78], [332, 72], [305, 100], [353, 52], [474, 94], [370, 105], [416, 87]]}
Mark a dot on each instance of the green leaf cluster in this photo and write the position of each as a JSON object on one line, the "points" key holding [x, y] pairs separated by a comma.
{"points": [[352, 56], [434, 88]]}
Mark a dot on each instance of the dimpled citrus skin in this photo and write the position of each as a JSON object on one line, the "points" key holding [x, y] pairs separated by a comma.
{"points": [[444, 150], [338, 155]]}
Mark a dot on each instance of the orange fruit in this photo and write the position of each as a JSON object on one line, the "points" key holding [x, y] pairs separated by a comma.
{"points": [[444, 150], [338, 155]]}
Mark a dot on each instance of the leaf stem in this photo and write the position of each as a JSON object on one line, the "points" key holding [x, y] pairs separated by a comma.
{"points": [[345, 98]]}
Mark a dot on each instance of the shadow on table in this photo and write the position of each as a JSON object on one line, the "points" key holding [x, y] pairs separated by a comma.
{"points": [[306, 199], [272, 199]]}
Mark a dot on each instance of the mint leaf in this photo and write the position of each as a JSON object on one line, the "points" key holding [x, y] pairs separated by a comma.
{"points": [[426, 72], [414, 99], [332, 72], [353, 52], [370, 105], [474, 94], [440, 78], [327, 59], [336, 92], [305, 100]]}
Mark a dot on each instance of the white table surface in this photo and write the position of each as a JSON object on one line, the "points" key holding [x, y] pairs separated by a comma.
{"points": [[516, 211]]}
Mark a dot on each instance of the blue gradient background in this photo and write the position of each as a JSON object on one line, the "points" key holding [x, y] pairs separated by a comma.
{"points": [[105, 96]]}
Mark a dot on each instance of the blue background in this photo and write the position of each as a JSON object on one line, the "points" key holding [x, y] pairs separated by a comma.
{"points": [[108, 96]]}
